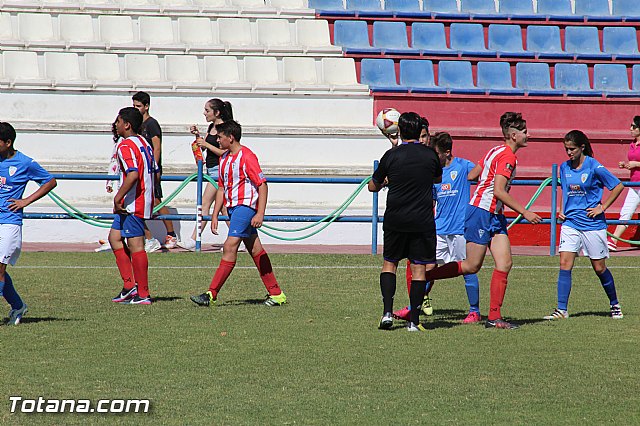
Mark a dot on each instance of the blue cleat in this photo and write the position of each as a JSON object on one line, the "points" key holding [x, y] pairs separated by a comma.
{"points": [[15, 315]]}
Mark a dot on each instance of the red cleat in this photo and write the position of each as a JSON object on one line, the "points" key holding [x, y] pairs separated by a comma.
{"points": [[403, 314], [472, 318]]}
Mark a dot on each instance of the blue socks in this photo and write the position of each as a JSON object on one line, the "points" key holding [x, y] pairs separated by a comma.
{"points": [[472, 285], [10, 293], [564, 289], [609, 287]]}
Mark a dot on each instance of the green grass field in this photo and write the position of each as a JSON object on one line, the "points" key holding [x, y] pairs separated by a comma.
{"points": [[320, 359]]}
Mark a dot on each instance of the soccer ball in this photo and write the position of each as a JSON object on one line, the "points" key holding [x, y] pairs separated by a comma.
{"points": [[387, 121]]}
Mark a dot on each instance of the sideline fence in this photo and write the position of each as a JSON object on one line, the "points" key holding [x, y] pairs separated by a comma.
{"points": [[100, 219]]}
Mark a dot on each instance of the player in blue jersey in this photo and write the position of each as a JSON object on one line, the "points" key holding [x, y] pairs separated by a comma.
{"points": [[584, 227], [16, 170]]}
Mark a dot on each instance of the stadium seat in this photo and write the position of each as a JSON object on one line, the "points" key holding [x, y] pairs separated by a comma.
{"points": [[417, 76], [262, 73], [405, 8], [289, 4], [636, 78], [507, 41], [195, 31], [77, 31], [573, 79], [117, 31], [313, 35], [429, 38], [274, 34], [468, 39], [583, 42], [144, 70], [480, 9], [594, 10], [255, 6], [391, 38], [520, 9], [340, 73], [223, 71], [216, 5], [495, 77], [235, 34], [21, 68], [37, 29], [443, 9], [157, 33], [629, 10], [64, 69], [380, 75], [301, 74], [534, 79], [366, 7], [557, 10], [330, 7], [353, 36], [104, 69], [544, 41], [457, 77], [184, 72], [610, 78], [6, 32], [621, 42]]}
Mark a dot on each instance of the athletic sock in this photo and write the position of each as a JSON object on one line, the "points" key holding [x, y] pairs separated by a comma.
{"points": [[428, 289], [448, 270], [497, 291], [10, 293], [140, 263], [388, 290], [609, 287], [415, 299], [124, 266], [472, 285], [172, 234], [564, 288], [221, 275], [408, 276], [263, 263]]}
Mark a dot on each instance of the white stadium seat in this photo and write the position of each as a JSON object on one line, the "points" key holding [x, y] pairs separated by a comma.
{"points": [[144, 70], [184, 72], [211, 4], [313, 35], [22, 68], [253, 6], [6, 30], [340, 73], [157, 33], [235, 34], [223, 71], [289, 4], [103, 69], [302, 74], [274, 34], [37, 29], [64, 69], [117, 31], [262, 73], [195, 31], [77, 31]]}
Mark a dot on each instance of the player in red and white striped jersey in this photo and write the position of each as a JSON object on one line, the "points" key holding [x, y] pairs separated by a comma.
{"points": [[485, 223], [243, 190], [132, 204]]}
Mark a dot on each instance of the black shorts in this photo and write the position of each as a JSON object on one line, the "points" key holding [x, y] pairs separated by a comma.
{"points": [[418, 247], [157, 188]]}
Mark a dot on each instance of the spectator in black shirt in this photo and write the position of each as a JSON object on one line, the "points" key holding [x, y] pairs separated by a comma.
{"points": [[409, 228]]}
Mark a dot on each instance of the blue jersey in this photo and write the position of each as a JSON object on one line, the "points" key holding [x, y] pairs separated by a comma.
{"points": [[15, 173], [452, 196], [582, 189]]}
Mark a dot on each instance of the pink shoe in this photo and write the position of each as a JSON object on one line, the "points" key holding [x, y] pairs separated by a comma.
{"points": [[472, 318], [612, 244], [403, 314]]}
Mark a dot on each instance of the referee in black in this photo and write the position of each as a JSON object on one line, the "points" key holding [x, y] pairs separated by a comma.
{"points": [[409, 170]]}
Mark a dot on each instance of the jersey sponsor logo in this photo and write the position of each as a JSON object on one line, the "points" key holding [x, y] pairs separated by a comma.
{"points": [[453, 174], [509, 166], [445, 187], [574, 187], [12, 170], [583, 177]]}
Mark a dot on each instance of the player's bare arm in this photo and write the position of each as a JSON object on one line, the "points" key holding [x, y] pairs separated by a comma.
{"points": [[217, 207], [500, 192], [258, 219], [156, 144], [15, 205], [474, 174], [600, 208], [127, 184], [374, 186]]}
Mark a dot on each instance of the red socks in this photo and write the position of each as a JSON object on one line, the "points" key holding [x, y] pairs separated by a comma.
{"points": [[221, 275], [498, 289], [124, 266], [266, 273], [448, 270], [140, 263]]}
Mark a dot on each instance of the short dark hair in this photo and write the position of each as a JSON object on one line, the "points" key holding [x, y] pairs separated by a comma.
{"points": [[441, 142], [636, 121], [230, 128], [580, 140], [512, 120], [7, 132], [142, 97], [132, 116], [424, 123], [410, 126]]}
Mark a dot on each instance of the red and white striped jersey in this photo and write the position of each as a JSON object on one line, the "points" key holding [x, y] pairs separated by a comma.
{"points": [[240, 176], [500, 160], [135, 154]]}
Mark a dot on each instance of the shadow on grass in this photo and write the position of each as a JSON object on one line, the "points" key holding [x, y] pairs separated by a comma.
{"points": [[242, 302], [167, 299], [449, 314], [529, 321], [591, 314], [34, 320]]}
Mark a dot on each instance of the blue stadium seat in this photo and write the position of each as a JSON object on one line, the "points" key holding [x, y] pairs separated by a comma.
{"points": [[496, 78], [507, 41], [636, 78], [417, 76], [544, 41], [367, 8], [457, 77], [621, 42], [380, 75], [557, 10], [583, 42], [597, 10], [573, 79], [520, 9], [534, 79], [629, 10], [405, 8], [480, 9], [330, 7], [353, 36], [611, 79], [391, 37], [469, 40], [429, 38], [443, 9]]}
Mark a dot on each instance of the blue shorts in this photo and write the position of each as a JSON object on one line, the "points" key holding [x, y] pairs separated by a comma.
{"points": [[480, 225], [130, 226], [240, 222]]}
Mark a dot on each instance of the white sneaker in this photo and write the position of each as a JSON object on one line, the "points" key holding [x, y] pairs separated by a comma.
{"points": [[188, 244], [616, 312], [557, 314], [241, 248], [170, 242], [152, 245], [104, 246]]}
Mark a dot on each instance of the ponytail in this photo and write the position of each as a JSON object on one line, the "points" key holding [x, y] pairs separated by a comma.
{"points": [[224, 107], [580, 140]]}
